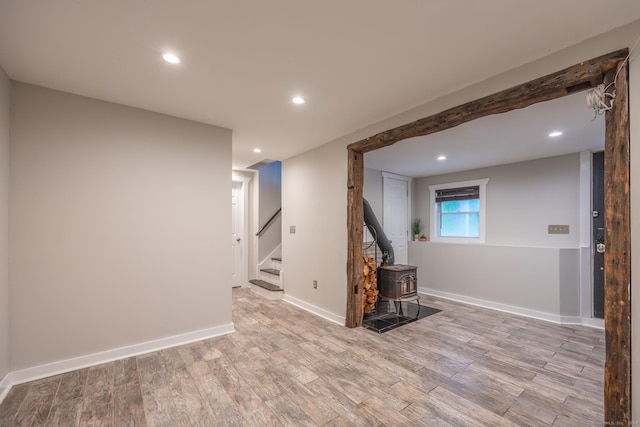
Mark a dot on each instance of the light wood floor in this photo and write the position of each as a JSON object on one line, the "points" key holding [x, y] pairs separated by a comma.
{"points": [[464, 366]]}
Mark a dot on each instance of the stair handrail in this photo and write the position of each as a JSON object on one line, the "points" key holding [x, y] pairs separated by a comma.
{"points": [[268, 223]]}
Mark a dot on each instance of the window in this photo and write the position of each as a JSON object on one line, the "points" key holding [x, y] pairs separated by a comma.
{"points": [[458, 212]]}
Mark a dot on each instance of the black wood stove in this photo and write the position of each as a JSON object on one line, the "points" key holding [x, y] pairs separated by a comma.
{"points": [[397, 281]]}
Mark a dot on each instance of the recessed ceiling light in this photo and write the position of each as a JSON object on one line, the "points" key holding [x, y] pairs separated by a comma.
{"points": [[297, 100], [171, 58], [555, 133], [257, 150], [442, 157]]}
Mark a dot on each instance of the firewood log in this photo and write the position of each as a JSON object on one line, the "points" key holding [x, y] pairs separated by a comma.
{"points": [[369, 280]]}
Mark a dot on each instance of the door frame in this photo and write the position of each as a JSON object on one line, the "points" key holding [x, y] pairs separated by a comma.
{"points": [[580, 77]]}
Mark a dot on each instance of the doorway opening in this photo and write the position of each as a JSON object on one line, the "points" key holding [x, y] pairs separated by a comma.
{"points": [[239, 229], [520, 181]]}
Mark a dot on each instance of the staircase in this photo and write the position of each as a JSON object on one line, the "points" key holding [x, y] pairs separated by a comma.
{"points": [[269, 283]]}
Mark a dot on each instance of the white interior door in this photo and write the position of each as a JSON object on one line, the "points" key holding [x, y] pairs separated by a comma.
{"points": [[237, 233], [396, 208]]}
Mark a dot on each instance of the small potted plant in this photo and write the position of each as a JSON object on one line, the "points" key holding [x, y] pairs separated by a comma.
{"points": [[416, 228]]}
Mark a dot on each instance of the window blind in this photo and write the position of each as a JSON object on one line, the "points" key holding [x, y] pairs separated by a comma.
{"points": [[460, 193]]}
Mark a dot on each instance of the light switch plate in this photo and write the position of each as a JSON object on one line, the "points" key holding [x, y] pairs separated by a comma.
{"points": [[558, 229], [292, 229]]}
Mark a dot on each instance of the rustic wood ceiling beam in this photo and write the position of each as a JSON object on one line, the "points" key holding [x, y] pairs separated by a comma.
{"points": [[579, 77]]}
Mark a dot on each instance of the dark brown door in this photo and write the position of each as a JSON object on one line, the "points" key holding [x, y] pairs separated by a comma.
{"points": [[598, 233]]}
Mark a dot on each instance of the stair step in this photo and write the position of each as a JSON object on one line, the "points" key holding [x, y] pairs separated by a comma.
{"points": [[265, 285], [271, 271], [276, 259]]}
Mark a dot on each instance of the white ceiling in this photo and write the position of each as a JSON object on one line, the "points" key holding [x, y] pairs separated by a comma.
{"points": [[357, 61], [511, 137]]}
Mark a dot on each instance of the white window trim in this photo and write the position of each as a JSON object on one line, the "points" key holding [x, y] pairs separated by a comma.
{"points": [[434, 220]]}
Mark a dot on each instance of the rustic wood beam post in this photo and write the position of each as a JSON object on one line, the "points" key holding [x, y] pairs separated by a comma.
{"points": [[355, 221], [617, 258]]}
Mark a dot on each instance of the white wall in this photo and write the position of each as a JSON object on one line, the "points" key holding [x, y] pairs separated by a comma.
{"points": [[119, 226], [372, 191], [522, 200], [314, 199], [327, 166], [5, 91]]}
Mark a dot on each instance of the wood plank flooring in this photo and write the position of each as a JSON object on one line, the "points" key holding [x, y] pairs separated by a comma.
{"points": [[465, 366]]}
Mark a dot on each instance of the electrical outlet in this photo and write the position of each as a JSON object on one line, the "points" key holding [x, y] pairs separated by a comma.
{"points": [[292, 229], [558, 229], [315, 284]]}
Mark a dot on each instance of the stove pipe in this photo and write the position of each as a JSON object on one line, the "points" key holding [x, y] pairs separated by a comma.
{"points": [[376, 230]]}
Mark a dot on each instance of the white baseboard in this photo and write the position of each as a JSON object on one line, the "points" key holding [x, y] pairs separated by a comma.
{"points": [[5, 386], [512, 309], [63, 366], [332, 317], [593, 322]]}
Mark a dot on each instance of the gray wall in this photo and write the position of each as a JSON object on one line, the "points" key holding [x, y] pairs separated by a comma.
{"points": [[569, 283], [522, 200], [5, 90], [528, 278], [119, 229]]}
